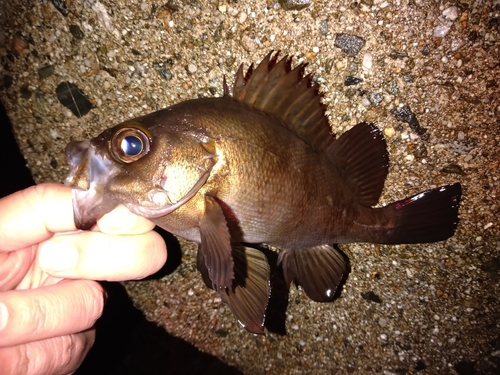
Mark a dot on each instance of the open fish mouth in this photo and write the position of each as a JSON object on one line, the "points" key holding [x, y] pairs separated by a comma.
{"points": [[90, 174]]}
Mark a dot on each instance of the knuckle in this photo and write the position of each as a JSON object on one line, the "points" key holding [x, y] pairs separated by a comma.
{"points": [[94, 301], [59, 355], [13, 360]]}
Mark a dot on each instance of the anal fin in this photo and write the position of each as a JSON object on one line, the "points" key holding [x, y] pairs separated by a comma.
{"points": [[319, 270], [249, 294]]}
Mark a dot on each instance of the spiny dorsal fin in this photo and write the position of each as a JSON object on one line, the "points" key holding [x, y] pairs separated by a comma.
{"points": [[285, 93]]}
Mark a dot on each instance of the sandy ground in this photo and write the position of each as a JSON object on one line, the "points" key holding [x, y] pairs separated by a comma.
{"points": [[438, 309]]}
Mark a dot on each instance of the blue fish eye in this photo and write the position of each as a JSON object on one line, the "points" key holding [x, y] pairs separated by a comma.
{"points": [[131, 145]]}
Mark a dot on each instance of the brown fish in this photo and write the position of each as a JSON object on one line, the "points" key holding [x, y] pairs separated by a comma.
{"points": [[257, 166]]}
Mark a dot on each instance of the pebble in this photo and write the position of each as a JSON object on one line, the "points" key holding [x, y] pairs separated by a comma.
{"points": [[165, 16], [46, 71], [441, 31], [25, 92], [192, 68], [323, 27], [7, 81], [375, 98], [389, 131], [294, 4], [453, 169], [488, 226], [398, 55], [420, 151], [349, 44], [392, 87], [164, 71], [404, 114], [352, 67], [351, 81], [76, 32], [450, 14], [19, 43], [426, 50], [73, 98], [456, 44], [242, 17], [61, 6], [367, 61], [371, 296]]}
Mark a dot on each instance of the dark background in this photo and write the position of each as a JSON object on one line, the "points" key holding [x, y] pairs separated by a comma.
{"points": [[126, 342]]}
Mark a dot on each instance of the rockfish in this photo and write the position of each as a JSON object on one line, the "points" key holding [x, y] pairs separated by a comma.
{"points": [[258, 165]]}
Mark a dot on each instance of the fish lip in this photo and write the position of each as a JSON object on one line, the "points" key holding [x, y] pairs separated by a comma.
{"points": [[84, 204], [89, 175]]}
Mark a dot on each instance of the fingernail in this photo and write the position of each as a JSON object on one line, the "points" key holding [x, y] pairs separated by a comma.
{"points": [[4, 316], [57, 256]]}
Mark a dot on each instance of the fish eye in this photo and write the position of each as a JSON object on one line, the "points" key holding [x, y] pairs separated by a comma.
{"points": [[130, 143]]}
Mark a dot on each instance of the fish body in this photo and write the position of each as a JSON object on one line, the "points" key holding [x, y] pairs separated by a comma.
{"points": [[295, 200], [257, 166]]}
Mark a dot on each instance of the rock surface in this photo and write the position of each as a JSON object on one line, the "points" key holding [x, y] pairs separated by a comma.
{"points": [[439, 310]]}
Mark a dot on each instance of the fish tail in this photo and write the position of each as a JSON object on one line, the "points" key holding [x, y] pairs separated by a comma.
{"points": [[429, 216]]}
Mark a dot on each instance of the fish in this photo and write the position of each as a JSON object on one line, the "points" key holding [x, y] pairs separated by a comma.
{"points": [[256, 166]]}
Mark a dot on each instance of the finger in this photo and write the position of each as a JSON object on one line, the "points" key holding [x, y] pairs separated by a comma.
{"points": [[122, 221], [14, 266], [56, 310], [44, 209], [98, 256], [58, 355]]}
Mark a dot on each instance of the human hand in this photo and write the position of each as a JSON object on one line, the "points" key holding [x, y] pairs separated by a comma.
{"points": [[48, 299]]}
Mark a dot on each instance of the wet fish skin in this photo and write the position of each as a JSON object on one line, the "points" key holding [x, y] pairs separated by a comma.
{"points": [[259, 166]]}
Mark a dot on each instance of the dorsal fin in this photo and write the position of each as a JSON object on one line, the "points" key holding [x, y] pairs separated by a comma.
{"points": [[285, 93]]}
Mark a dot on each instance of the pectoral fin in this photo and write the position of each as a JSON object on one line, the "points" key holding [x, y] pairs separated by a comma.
{"points": [[216, 245], [319, 270], [249, 295]]}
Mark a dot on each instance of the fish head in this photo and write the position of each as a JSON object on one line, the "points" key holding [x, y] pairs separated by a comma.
{"points": [[149, 167]]}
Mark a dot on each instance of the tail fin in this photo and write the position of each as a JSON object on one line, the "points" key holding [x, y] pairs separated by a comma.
{"points": [[429, 216]]}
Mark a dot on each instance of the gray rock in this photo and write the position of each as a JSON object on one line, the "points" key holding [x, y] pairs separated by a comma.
{"points": [[349, 44]]}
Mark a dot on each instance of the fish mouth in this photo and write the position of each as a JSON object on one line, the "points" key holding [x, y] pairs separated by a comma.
{"points": [[89, 176], [92, 176]]}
